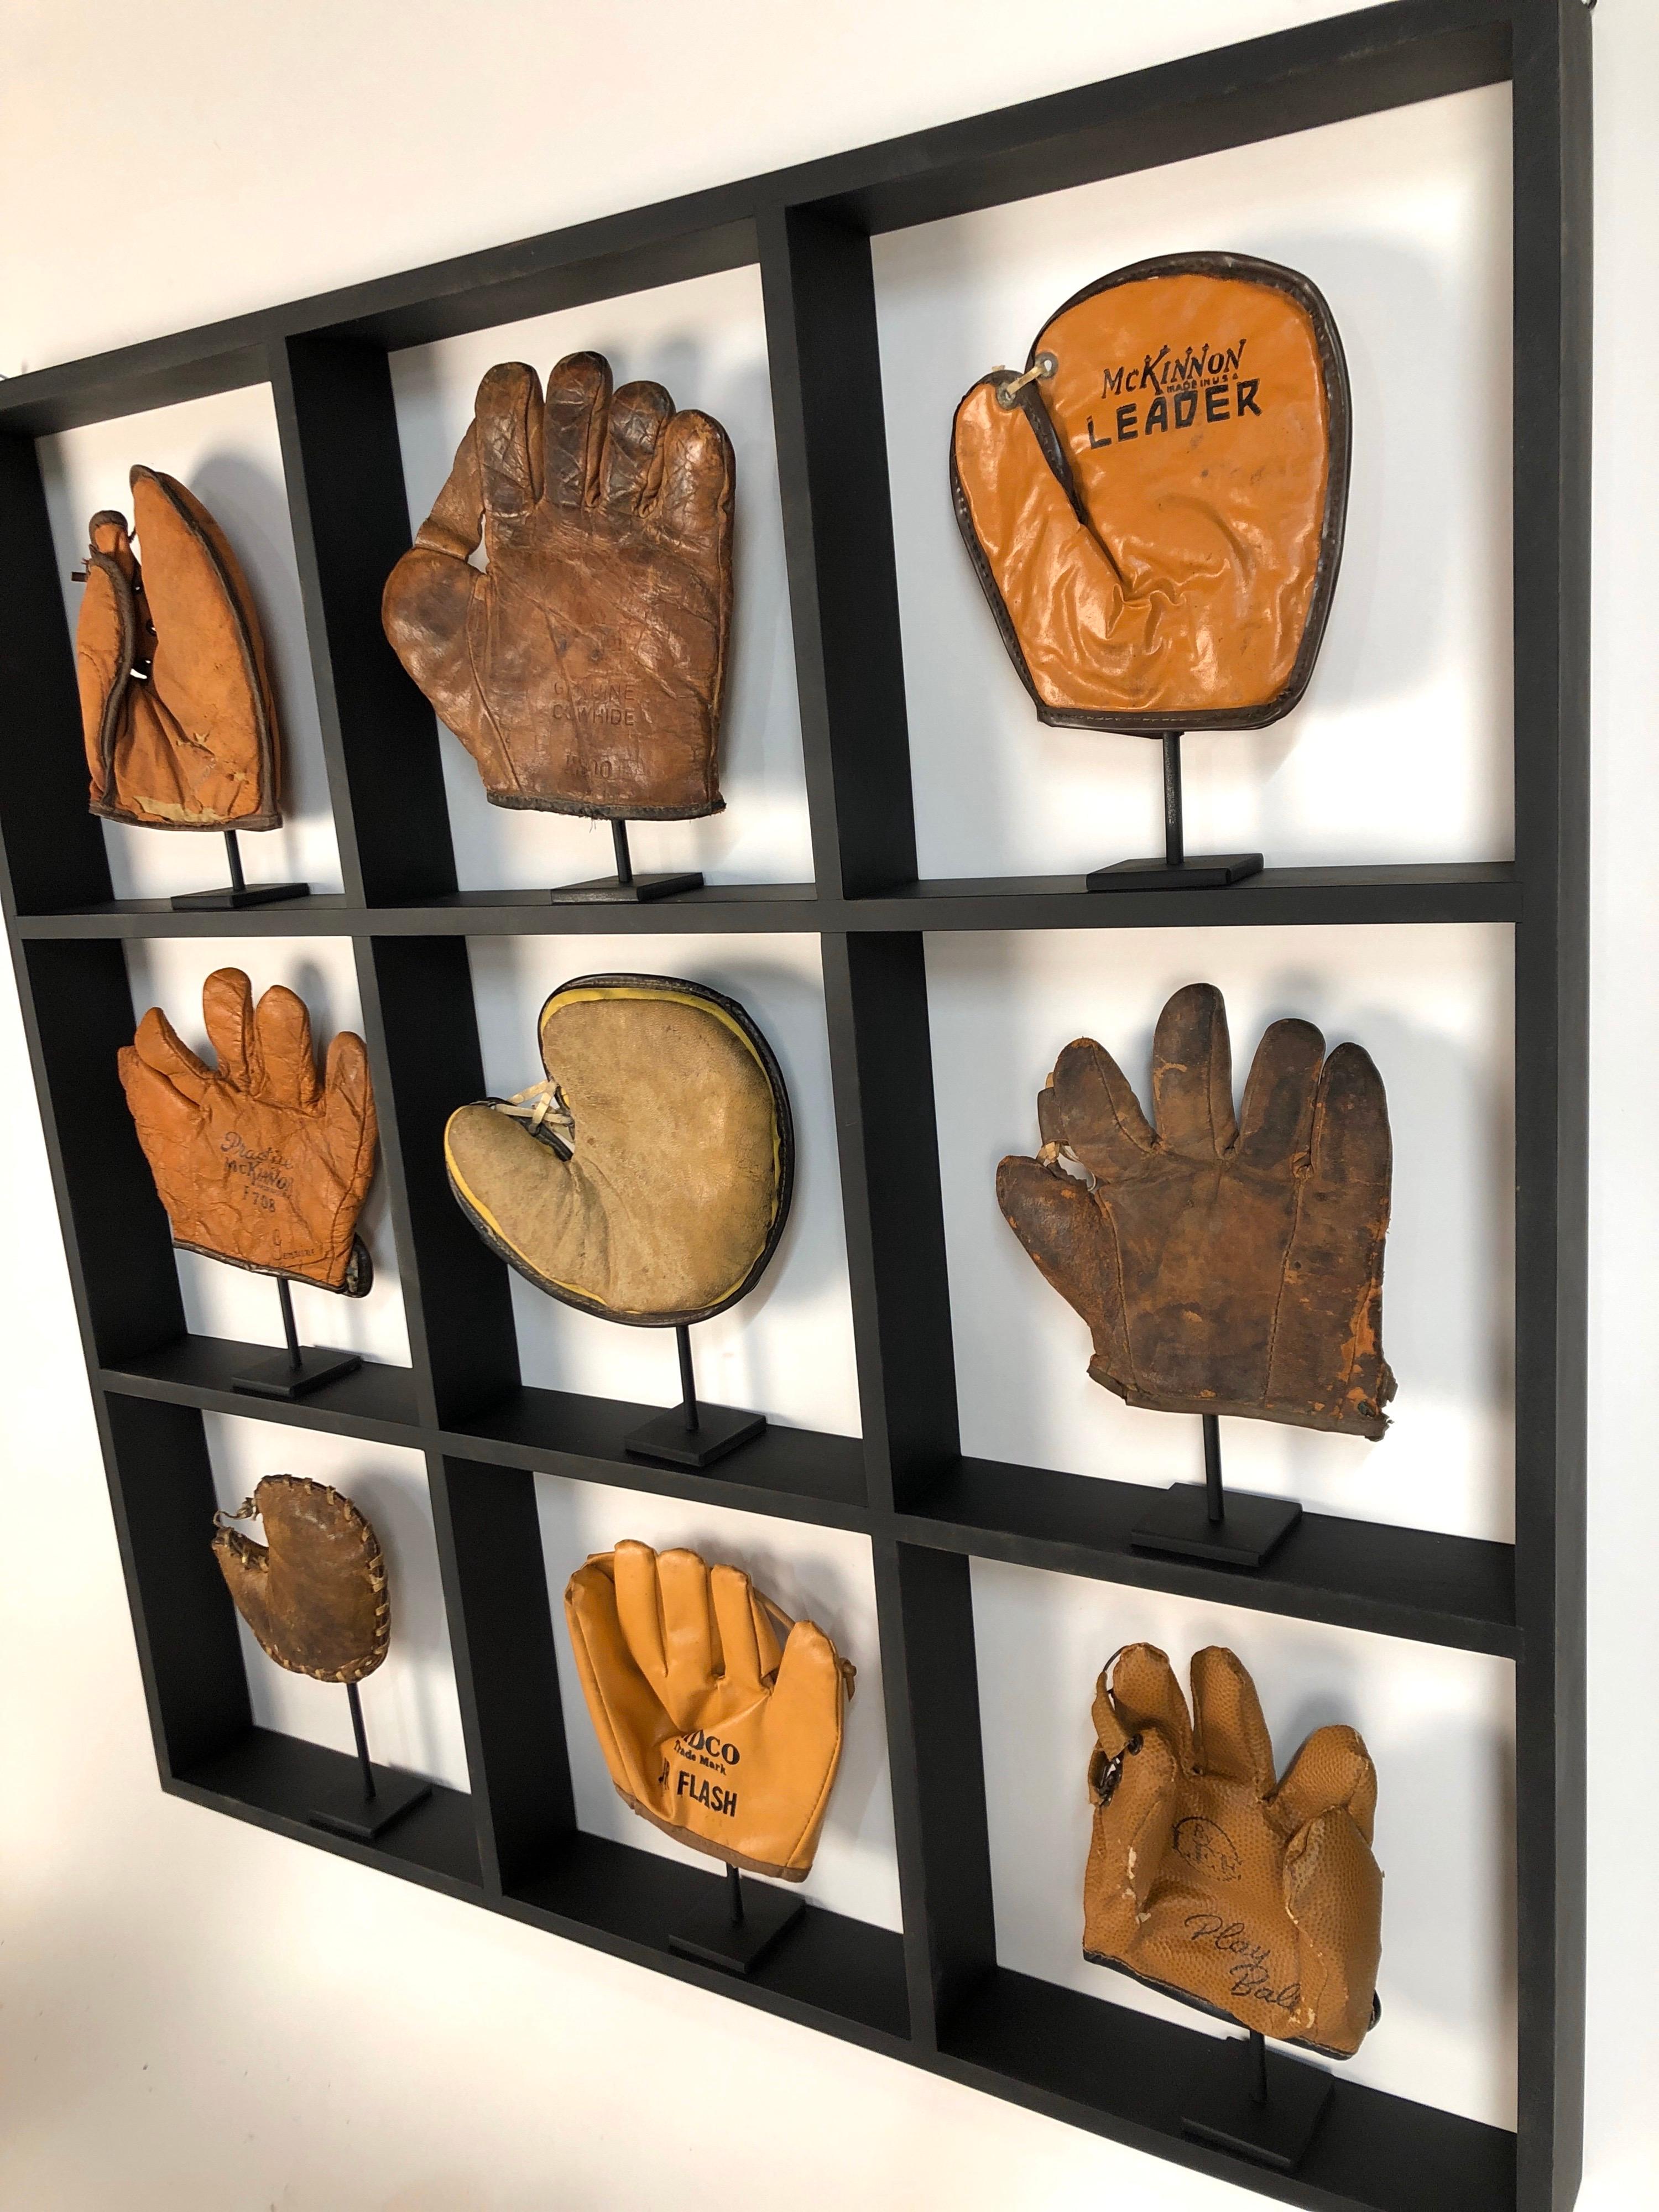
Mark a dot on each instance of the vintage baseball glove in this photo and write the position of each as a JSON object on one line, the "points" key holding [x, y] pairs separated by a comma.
{"points": [[712, 1730], [648, 1177], [1258, 1900], [582, 666], [1222, 1267], [256, 1162], [175, 696], [314, 1592], [1155, 508]]}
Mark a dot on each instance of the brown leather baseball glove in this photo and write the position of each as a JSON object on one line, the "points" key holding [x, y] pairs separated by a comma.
{"points": [[314, 1592], [1155, 508], [1257, 1899], [256, 1162], [582, 667], [648, 1177], [712, 1730], [175, 696], [1223, 1267]]}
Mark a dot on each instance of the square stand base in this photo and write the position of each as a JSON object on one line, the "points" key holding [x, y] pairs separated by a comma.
{"points": [[1205, 872], [347, 1811], [1179, 1523], [605, 891], [719, 1430], [279, 1377], [1217, 2106], [231, 897], [737, 1946]]}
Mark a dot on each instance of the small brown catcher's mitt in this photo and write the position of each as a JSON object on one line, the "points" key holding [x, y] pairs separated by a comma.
{"points": [[1155, 508], [175, 696], [582, 667], [1257, 1899], [711, 1729], [1223, 1267], [257, 1162], [314, 1592], [648, 1178]]}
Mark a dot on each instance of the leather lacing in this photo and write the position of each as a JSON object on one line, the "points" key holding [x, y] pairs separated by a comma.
{"points": [[541, 1104]]}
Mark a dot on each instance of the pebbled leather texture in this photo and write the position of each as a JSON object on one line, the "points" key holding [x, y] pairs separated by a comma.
{"points": [[1224, 1264], [1256, 1899], [314, 1592], [1157, 526], [649, 1179], [176, 706], [583, 665], [711, 1729], [255, 1160]]}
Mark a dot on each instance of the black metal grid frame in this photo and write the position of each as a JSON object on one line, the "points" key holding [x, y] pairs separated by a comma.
{"points": [[934, 1997]]}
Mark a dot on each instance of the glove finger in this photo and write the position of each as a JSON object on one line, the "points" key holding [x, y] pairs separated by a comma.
{"points": [[1088, 1106], [282, 1021], [578, 397], [348, 1116], [1146, 1694], [639, 1610], [1352, 1145], [1332, 1890], [159, 1047], [1276, 1126], [693, 501], [629, 466], [507, 431], [228, 1011], [1333, 1768], [734, 1618], [689, 1637], [1230, 1736], [1193, 1074]]}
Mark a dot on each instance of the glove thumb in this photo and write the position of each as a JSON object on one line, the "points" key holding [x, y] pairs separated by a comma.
{"points": [[246, 1567], [1332, 1890]]}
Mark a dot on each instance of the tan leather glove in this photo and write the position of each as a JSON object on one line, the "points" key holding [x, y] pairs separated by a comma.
{"points": [[711, 1730], [314, 1592], [1222, 1267], [648, 1178], [583, 666], [1155, 520], [175, 696], [256, 1162], [1257, 1899]]}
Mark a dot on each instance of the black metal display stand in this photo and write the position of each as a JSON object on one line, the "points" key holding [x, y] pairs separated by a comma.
{"points": [[935, 1994], [734, 1927], [1192, 1520], [1175, 871], [231, 898], [301, 1369], [1250, 2100], [365, 1801], [625, 888], [693, 1434]]}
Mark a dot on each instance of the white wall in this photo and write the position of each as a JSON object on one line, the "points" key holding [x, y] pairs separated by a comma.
{"points": [[206, 2016]]}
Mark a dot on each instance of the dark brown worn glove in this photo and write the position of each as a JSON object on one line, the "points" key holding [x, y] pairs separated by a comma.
{"points": [[314, 1592], [1255, 1899], [582, 667], [1222, 1267], [257, 1162], [175, 694]]}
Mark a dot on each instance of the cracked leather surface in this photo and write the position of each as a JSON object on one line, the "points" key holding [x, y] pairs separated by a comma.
{"points": [[1257, 1898], [711, 1729], [582, 666], [314, 1592], [256, 1160], [176, 704], [1224, 1264]]}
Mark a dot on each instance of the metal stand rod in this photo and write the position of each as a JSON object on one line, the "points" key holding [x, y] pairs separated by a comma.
{"points": [[619, 843], [234, 852], [734, 1895], [363, 1739], [1175, 842], [688, 1380], [1258, 2069], [1215, 1505], [288, 1330]]}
